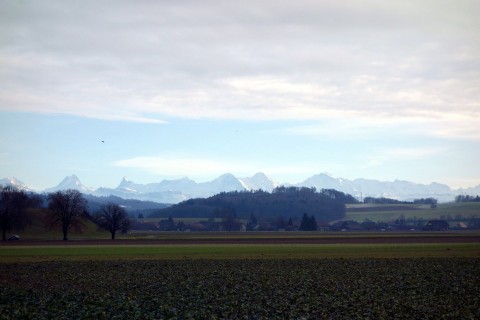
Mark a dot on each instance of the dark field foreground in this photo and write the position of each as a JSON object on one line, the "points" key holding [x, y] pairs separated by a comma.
{"points": [[408, 288]]}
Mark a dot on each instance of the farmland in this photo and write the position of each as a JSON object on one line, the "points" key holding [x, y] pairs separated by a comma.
{"points": [[379, 212], [240, 276], [246, 245], [430, 288], [234, 251]]}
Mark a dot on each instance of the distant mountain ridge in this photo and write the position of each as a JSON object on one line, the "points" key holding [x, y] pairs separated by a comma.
{"points": [[174, 191], [398, 189], [177, 190], [14, 182], [71, 182]]}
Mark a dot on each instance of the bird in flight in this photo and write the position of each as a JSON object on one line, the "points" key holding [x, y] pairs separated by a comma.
{"points": [[103, 141]]}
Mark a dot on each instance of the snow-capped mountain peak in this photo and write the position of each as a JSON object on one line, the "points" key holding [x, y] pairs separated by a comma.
{"points": [[125, 183], [323, 181], [260, 181], [174, 191], [14, 182], [70, 182], [227, 182]]}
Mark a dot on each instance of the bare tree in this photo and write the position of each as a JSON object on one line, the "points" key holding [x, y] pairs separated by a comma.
{"points": [[66, 209], [112, 218], [13, 209]]}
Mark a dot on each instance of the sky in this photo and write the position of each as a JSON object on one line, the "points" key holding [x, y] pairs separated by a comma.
{"points": [[359, 89]]}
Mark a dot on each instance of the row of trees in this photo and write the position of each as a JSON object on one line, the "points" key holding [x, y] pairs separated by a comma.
{"points": [[308, 223], [467, 198], [382, 200], [66, 209], [13, 206], [326, 204], [430, 201]]}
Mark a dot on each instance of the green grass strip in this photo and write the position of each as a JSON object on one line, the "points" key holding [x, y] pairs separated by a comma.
{"points": [[235, 251]]}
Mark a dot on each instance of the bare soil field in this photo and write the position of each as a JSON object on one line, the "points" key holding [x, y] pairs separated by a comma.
{"points": [[227, 239], [436, 288]]}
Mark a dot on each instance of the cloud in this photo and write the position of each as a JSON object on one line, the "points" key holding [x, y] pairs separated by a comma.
{"points": [[199, 167], [150, 62], [400, 154], [438, 126], [345, 129], [182, 165]]}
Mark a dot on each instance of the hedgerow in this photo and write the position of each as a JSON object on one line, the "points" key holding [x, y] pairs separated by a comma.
{"points": [[434, 288]]}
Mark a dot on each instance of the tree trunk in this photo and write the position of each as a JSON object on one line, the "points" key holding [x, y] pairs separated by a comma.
{"points": [[65, 234], [113, 235], [4, 235]]}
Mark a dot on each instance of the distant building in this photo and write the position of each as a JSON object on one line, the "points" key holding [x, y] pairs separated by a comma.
{"points": [[348, 225], [323, 226], [436, 225], [461, 225]]}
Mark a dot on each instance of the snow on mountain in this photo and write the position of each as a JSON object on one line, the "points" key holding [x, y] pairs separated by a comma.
{"points": [[14, 182], [129, 186], [398, 189], [326, 181], [177, 190], [125, 183], [71, 182], [185, 185], [259, 181], [225, 183], [126, 193], [474, 191], [173, 191]]}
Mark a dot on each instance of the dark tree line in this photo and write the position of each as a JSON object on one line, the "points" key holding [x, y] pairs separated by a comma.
{"points": [[467, 198], [67, 210], [308, 223], [13, 210], [430, 201], [382, 200], [326, 204], [372, 200]]}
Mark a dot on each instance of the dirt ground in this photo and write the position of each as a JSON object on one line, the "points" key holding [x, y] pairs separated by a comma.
{"points": [[334, 239]]}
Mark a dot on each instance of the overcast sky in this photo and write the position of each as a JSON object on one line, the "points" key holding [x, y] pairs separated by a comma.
{"points": [[375, 89]]}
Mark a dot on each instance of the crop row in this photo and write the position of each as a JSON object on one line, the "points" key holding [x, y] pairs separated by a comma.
{"points": [[243, 289]]}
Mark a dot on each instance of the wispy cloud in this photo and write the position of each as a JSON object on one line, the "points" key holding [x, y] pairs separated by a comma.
{"points": [[197, 167], [418, 124], [262, 61], [381, 157], [321, 79], [458, 127], [183, 165], [346, 129]]}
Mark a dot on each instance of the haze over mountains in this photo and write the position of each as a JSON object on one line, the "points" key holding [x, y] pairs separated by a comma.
{"points": [[174, 191]]}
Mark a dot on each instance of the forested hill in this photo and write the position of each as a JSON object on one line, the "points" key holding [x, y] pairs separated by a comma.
{"points": [[286, 202]]}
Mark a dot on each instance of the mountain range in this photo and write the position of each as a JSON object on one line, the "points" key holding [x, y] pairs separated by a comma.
{"points": [[174, 191]]}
